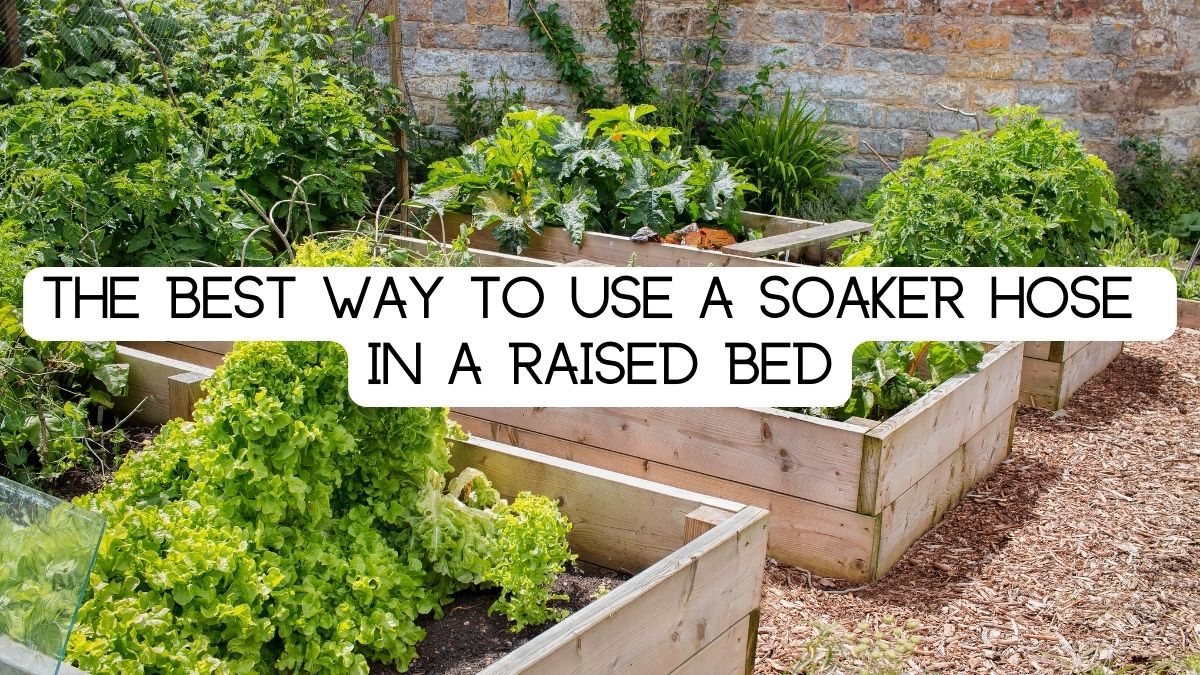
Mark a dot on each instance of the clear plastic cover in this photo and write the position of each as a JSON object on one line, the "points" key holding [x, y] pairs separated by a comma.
{"points": [[47, 549]]}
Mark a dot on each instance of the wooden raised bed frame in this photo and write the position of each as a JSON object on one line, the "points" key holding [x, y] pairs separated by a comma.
{"points": [[698, 561], [1053, 371], [846, 499], [1189, 313]]}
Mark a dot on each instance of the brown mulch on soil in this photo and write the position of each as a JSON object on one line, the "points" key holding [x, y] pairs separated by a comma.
{"points": [[1081, 550], [466, 640]]}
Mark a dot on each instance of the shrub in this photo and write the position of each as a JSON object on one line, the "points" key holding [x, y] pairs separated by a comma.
{"points": [[1161, 195], [788, 151], [52, 394], [617, 174], [1024, 194], [267, 96], [1137, 248], [105, 175]]}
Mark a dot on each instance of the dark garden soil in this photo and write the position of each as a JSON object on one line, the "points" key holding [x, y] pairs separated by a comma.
{"points": [[466, 640], [1081, 553], [79, 481]]}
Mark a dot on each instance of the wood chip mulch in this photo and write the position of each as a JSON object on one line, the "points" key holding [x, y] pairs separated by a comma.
{"points": [[1081, 551]]}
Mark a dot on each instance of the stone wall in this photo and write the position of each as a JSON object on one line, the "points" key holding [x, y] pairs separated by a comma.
{"points": [[883, 68]]}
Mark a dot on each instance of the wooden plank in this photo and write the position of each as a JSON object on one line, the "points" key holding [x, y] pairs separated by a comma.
{"points": [[1189, 313], [183, 391], [725, 655], [925, 503], [785, 452], [771, 225], [820, 538], [702, 520], [1037, 350], [1069, 349], [1040, 379], [915, 440], [148, 388], [555, 245], [1085, 364], [180, 352], [798, 239], [656, 621], [620, 522], [483, 258]]}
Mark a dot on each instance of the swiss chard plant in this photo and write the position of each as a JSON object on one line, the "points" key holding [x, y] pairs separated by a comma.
{"points": [[1023, 194], [613, 174], [889, 376]]}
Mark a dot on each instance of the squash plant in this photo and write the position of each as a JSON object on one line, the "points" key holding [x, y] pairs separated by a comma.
{"points": [[614, 174], [288, 529]]}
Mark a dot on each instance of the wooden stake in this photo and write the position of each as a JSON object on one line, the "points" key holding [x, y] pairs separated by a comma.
{"points": [[11, 19], [396, 51]]}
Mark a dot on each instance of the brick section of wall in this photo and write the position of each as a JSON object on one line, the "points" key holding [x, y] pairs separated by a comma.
{"points": [[883, 68]]}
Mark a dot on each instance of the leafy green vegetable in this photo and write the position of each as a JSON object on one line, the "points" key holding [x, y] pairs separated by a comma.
{"points": [[616, 174], [262, 116], [531, 533], [288, 529], [889, 376], [1022, 195]]}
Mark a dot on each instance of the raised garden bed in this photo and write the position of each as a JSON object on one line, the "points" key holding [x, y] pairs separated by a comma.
{"points": [[697, 561], [554, 245], [162, 387], [1053, 371], [846, 499], [1189, 313]]}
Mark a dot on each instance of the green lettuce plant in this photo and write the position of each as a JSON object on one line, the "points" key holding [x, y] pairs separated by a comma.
{"points": [[288, 529]]}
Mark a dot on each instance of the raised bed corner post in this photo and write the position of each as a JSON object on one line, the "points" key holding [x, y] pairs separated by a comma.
{"points": [[11, 18]]}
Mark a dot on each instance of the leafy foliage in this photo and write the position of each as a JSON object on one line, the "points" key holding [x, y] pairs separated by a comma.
{"points": [[46, 551], [1162, 195], [1137, 248], [629, 69], [889, 376], [788, 150], [256, 98], [106, 175], [1022, 195], [615, 174], [557, 40], [52, 393], [476, 114], [531, 535], [288, 529]]}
